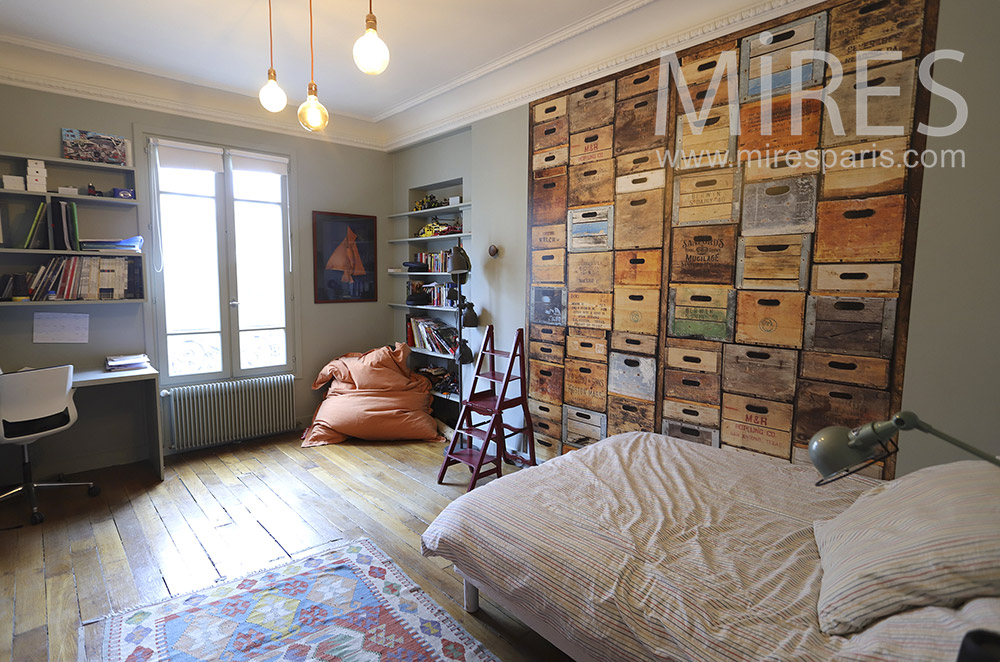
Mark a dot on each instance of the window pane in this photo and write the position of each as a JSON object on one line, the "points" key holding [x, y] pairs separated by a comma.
{"points": [[259, 349], [250, 185], [194, 354], [260, 265], [182, 180], [190, 263]]}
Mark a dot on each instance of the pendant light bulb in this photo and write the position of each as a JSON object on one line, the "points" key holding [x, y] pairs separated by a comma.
{"points": [[271, 96], [370, 52], [313, 116]]}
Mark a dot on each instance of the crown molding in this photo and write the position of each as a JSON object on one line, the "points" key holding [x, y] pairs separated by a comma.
{"points": [[579, 27]]}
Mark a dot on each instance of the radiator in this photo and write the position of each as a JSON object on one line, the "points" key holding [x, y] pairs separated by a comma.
{"points": [[210, 414]]}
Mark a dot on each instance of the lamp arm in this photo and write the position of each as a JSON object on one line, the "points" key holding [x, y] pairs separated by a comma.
{"points": [[958, 442]]}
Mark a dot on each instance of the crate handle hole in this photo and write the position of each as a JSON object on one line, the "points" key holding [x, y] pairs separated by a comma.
{"points": [[543, 408], [550, 109], [840, 365], [849, 305], [580, 414], [545, 350], [854, 275], [636, 297], [784, 36], [550, 131], [700, 297], [632, 341], [874, 82], [691, 432], [637, 260], [550, 157], [639, 105], [590, 94], [757, 409], [589, 173], [702, 237], [773, 248], [859, 213], [768, 302], [640, 80], [705, 66], [763, 356], [712, 120], [590, 139], [630, 408], [706, 182], [701, 95], [548, 331], [543, 425], [840, 395], [873, 7], [587, 345], [638, 203], [691, 359], [632, 363], [586, 371], [866, 154], [783, 163], [639, 160], [777, 190], [640, 180], [691, 382], [690, 412], [545, 373], [589, 214], [548, 257], [549, 185]]}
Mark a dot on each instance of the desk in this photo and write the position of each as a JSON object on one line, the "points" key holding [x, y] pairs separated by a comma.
{"points": [[148, 379]]}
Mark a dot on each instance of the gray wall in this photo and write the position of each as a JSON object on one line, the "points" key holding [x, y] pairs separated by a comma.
{"points": [[325, 177]]}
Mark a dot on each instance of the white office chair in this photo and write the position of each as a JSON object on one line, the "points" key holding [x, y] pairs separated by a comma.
{"points": [[35, 404]]}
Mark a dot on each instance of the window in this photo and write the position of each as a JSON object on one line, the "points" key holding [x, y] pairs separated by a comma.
{"points": [[224, 267]]}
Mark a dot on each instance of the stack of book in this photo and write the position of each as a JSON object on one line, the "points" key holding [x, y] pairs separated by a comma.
{"points": [[68, 278], [126, 362], [431, 334]]}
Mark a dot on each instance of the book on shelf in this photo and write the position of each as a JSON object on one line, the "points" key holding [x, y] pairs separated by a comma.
{"points": [[86, 277], [433, 335], [102, 245], [126, 362], [33, 239]]}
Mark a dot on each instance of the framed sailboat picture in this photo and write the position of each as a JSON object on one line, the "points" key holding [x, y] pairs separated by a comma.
{"points": [[344, 257]]}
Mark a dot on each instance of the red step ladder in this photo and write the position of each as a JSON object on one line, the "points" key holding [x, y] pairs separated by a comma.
{"points": [[490, 403]]}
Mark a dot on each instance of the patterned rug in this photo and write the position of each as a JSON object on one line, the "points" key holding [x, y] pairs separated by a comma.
{"points": [[350, 603]]}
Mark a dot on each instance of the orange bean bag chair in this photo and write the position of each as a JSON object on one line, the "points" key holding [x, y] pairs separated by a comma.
{"points": [[372, 396]]}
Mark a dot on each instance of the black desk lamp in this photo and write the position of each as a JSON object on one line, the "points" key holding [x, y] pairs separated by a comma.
{"points": [[838, 451]]}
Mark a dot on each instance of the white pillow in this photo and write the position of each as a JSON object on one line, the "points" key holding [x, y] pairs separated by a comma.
{"points": [[929, 538]]}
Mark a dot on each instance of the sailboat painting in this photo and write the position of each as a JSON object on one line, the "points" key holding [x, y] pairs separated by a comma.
{"points": [[344, 257]]}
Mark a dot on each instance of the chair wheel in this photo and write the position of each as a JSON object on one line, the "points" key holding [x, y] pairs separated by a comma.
{"points": [[93, 490], [37, 518]]}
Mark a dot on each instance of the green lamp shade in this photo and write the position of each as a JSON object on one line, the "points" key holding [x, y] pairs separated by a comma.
{"points": [[835, 456]]}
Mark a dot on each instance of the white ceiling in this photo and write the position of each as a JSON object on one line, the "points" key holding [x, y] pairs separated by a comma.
{"points": [[452, 61]]}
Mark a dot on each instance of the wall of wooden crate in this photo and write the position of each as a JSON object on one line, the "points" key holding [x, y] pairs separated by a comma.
{"points": [[749, 302]]}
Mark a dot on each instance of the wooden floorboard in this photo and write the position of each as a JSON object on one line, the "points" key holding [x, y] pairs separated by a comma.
{"points": [[222, 513]]}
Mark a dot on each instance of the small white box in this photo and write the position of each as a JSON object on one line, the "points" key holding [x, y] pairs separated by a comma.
{"points": [[13, 182], [37, 172], [37, 181], [69, 190], [455, 200], [36, 163], [37, 188]]}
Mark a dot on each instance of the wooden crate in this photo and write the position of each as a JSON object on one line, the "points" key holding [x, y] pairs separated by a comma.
{"points": [[546, 427], [547, 333], [637, 310], [647, 159], [548, 197], [630, 415], [864, 230], [545, 382], [632, 376], [544, 351], [781, 206], [638, 82], [591, 184], [591, 228], [548, 306], [782, 134], [697, 355], [704, 142], [550, 158], [639, 220], [846, 369], [864, 25], [700, 67], [883, 111], [699, 71], [591, 145], [857, 278], [635, 124], [550, 134], [819, 404], [707, 312], [540, 409], [695, 413], [696, 434], [549, 110], [773, 262], [587, 344], [703, 387], [586, 384], [548, 237], [780, 166], [590, 309], [756, 424], [703, 254], [645, 180], [864, 326], [763, 372], [592, 106], [770, 318], [590, 272], [707, 197], [548, 267], [639, 268], [635, 343], [582, 426], [868, 168], [805, 34]]}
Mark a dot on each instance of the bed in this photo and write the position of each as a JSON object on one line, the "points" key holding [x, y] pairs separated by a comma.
{"points": [[641, 547]]}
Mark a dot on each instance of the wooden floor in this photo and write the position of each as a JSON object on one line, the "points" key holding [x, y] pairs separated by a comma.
{"points": [[222, 513]]}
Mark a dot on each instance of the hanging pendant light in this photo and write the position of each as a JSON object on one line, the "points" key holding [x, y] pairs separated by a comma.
{"points": [[271, 96], [370, 52], [312, 115]]}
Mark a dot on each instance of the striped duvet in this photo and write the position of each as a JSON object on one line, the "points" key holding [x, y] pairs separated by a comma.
{"points": [[645, 548]]}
